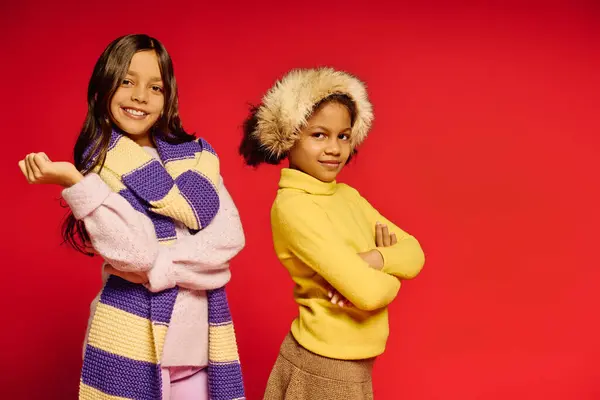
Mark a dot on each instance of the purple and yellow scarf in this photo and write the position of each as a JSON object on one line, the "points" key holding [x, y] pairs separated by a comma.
{"points": [[129, 326]]}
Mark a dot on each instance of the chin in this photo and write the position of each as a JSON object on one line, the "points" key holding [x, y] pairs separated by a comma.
{"points": [[136, 132], [133, 130], [327, 177]]}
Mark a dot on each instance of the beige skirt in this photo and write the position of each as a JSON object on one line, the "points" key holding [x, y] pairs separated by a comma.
{"points": [[299, 374]]}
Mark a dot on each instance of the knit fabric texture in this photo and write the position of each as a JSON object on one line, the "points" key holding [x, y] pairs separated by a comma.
{"points": [[128, 329]]}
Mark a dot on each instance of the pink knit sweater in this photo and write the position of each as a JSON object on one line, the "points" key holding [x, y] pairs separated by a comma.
{"points": [[127, 241]]}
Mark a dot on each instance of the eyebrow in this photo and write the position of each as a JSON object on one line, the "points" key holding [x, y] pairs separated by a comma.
{"points": [[152, 79], [325, 129]]}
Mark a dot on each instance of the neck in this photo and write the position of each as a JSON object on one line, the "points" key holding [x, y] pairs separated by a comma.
{"points": [[296, 179], [142, 140]]}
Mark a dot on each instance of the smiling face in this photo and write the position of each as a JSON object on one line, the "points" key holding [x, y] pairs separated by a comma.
{"points": [[139, 101], [324, 144]]}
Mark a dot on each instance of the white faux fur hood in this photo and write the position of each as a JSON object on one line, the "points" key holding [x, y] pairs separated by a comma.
{"points": [[289, 103]]}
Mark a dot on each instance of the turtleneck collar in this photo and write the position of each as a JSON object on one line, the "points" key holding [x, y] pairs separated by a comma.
{"points": [[295, 179]]}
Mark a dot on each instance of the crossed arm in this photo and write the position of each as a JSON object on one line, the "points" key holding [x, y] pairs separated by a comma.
{"points": [[314, 242], [127, 241]]}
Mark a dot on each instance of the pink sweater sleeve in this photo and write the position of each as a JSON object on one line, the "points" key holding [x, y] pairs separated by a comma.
{"points": [[200, 261], [126, 239]]}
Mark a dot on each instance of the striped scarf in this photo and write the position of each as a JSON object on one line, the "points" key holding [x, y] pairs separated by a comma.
{"points": [[129, 326]]}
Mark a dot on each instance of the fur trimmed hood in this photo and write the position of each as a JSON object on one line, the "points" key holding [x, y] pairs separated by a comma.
{"points": [[289, 103]]}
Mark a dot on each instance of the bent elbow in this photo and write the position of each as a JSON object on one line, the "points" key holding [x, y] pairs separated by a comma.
{"points": [[240, 241], [418, 263]]}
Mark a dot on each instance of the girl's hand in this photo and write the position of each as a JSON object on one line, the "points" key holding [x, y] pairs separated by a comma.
{"points": [[383, 238], [39, 169], [128, 276], [336, 298], [373, 258]]}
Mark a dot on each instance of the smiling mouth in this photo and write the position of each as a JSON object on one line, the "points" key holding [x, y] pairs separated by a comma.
{"points": [[331, 164], [134, 112]]}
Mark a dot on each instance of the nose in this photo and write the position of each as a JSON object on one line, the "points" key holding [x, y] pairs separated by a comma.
{"points": [[139, 94], [333, 146]]}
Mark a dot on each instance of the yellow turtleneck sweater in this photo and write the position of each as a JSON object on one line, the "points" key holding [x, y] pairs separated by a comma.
{"points": [[318, 230]]}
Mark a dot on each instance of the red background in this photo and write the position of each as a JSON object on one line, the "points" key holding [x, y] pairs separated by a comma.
{"points": [[485, 147]]}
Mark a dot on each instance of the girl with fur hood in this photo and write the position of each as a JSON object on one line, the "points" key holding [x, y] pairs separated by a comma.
{"points": [[346, 259]]}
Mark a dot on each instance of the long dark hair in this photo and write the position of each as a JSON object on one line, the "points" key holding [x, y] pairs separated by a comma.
{"points": [[255, 154], [92, 144]]}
